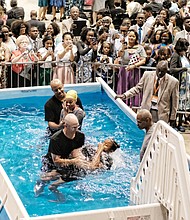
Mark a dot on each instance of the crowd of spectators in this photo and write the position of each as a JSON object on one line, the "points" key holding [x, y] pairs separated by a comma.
{"points": [[127, 34]]}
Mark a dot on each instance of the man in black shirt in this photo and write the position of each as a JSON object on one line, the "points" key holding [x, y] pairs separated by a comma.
{"points": [[64, 153], [53, 106]]}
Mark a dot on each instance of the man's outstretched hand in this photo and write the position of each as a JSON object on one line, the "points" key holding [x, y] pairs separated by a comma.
{"points": [[122, 96]]}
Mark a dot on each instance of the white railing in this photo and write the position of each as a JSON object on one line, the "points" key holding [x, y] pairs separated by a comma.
{"points": [[163, 175], [9, 199]]}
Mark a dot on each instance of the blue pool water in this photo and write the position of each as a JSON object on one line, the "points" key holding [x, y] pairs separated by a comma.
{"points": [[22, 143]]}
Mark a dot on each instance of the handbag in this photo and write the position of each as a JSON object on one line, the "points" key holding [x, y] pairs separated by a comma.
{"points": [[134, 59], [89, 2]]}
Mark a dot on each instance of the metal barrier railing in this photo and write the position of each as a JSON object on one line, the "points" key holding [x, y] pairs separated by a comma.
{"points": [[42, 72]]}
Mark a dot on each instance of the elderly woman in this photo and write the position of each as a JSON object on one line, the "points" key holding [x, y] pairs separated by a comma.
{"points": [[21, 73]]}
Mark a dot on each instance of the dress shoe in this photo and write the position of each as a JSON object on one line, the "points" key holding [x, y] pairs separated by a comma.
{"points": [[181, 128], [175, 128], [54, 19]]}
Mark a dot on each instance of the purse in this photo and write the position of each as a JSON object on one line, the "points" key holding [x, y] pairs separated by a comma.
{"points": [[89, 2], [134, 59]]}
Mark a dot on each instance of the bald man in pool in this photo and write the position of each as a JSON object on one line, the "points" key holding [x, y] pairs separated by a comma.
{"points": [[54, 106], [144, 121]]}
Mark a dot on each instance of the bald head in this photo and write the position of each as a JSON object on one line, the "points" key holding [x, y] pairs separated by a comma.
{"points": [[58, 89], [74, 13], [162, 68], [144, 113], [56, 82], [33, 13], [71, 119], [144, 119]]}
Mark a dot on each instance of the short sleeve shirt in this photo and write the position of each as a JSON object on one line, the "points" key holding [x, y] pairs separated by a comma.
{"points": [[63, 146]]}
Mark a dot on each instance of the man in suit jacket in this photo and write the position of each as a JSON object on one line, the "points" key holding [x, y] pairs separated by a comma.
{"points": [[139, 27], [67, 24], [162, 99], [14, 13], [34, 22], [184, 33]]}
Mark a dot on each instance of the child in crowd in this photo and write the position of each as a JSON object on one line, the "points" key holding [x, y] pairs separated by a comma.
{"points": [[105, 57], [164, 53], [150, 62], [46, 54]]}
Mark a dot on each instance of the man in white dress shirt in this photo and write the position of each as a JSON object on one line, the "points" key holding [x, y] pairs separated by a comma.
{"points": [[139, 27]]}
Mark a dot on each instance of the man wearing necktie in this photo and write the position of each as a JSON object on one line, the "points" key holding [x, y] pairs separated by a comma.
{"points": [[161, 99], [139, 27]]}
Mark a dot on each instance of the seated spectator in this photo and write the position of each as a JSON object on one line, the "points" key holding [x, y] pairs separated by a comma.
{"points": [[70, 106], [46, 53], [14, 13], [21, 73], [67, 24], [65, 53]]}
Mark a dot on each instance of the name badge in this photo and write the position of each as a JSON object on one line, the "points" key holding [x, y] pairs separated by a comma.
{"points": [[154, 100]]}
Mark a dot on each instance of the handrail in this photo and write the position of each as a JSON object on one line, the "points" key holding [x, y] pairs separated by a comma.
{"points": [[10, 199], [163, 175]]}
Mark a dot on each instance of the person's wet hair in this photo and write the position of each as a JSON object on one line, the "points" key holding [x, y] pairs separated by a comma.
{"points": [[115, 145]]}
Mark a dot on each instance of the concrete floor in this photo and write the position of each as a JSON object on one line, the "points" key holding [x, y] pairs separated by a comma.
{"points": [[186, 136]]}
